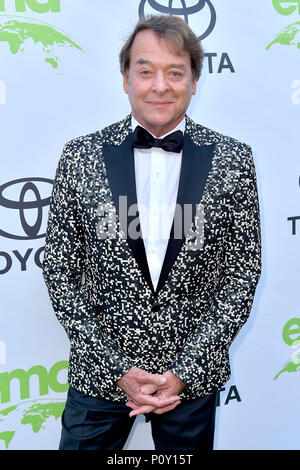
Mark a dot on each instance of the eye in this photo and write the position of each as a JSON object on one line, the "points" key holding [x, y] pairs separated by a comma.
{"points": [[176, 74]]}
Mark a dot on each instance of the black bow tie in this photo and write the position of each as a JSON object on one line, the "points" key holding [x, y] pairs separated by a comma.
{"points": [[142, 139]]}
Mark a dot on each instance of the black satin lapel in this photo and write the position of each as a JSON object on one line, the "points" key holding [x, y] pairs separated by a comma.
{"points": [[119, 163], [195, 167]]}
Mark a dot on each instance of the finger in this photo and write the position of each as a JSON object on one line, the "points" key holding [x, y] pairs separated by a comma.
{"points": [[141, 410], [132, 405], [163, 393], [156, 402], [160, 411], [135, 405], [147, 409]]}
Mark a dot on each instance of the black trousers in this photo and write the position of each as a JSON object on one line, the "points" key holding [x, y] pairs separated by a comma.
{"points": [[90, 423]]}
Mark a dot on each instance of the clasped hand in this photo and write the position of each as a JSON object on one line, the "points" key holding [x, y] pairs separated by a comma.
{"points": [[147, 392]]}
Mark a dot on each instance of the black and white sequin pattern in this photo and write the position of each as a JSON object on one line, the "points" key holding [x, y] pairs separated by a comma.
{"points": [[107, 313]]}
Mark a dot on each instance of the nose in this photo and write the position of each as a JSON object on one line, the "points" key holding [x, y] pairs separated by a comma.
{"points": [[160, 83]]}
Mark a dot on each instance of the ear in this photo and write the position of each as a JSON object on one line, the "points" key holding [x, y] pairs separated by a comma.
{"points": [[194, 86], [125, 83]]}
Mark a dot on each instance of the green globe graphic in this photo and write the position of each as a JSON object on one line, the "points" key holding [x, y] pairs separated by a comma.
{"points": [[30, 419], [289, 36], [294, 364], [17, 31]]}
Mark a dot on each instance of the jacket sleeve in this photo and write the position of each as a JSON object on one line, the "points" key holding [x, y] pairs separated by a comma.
{"points": [[203, 353], [63, 266]]}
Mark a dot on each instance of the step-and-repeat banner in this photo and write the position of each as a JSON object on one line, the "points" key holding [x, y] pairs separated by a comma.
{"points": [[60, 78]]}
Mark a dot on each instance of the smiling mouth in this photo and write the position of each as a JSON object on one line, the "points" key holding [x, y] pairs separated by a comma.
{"points": [[159, 103]]}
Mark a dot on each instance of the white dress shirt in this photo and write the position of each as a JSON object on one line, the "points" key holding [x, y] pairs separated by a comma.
{"points": [[157, 175]]}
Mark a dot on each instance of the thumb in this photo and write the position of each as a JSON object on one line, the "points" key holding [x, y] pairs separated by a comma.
{"points": [[154, 379], [148, 388]]}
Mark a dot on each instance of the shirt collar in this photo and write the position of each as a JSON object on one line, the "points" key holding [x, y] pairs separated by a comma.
{"points": [[180, 127]]}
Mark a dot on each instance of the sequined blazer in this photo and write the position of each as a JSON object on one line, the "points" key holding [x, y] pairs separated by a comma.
{"points": [[97, 273]]}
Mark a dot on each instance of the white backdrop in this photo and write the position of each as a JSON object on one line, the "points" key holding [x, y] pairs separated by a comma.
{"points": [[59, 78]]}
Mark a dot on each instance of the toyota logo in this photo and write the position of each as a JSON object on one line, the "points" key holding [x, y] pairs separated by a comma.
{"points": [[24, 204], [204, 21]]}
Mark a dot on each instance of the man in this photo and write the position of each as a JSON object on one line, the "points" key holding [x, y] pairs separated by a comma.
{"points": [[151, 313]]}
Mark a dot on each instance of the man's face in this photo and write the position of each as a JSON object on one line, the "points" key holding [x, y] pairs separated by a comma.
{"points": [[159, 83]]}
